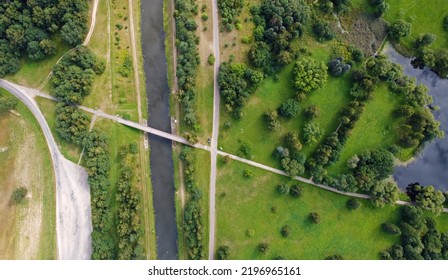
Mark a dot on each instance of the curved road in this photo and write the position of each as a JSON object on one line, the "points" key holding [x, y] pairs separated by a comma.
{"points": [[73, 213]]}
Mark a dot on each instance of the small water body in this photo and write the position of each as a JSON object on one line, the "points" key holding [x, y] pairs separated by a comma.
{"points": [[162, 169], [430, 166]]}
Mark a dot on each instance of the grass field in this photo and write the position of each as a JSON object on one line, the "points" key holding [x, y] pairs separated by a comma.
{"points": [[353, 234], [375, 129], [27, 230], [252, 129], [426, 16]]}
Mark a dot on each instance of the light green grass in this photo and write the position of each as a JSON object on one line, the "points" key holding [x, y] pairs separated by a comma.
{"points": [[33, 72], [244, 204], [375, 129], [252, 128], [426, 16]]}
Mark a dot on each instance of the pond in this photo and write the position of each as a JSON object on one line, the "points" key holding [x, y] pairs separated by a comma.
{"points": [[431, 165]]}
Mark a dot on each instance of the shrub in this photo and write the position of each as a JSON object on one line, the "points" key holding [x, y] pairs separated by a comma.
{"points": [[352, 204], [250, 232], [295, 191], [18, 195], [248, 173], [445, 23], [312, 112], [314, 217], [211, 59], [222, 253], [204, 16], [263, 247], [271, 118], [285, 231], [283, 189]]}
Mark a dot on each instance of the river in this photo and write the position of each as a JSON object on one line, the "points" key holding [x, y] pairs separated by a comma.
{"points": [[431, 164], [162, 169]]}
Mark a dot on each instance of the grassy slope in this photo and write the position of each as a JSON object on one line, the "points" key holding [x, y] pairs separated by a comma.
{"points": [[44, 194], [252, 129], [426, 16], [354, 235]]}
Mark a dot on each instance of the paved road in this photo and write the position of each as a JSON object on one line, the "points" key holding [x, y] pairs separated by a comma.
{"points": [[215, 132], [73, 213]]}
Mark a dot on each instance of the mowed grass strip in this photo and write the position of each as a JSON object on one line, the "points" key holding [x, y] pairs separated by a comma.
{"points": [[246, 204]]}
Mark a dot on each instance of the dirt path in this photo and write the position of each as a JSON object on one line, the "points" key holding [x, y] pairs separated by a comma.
{"points": [[73, 214]]}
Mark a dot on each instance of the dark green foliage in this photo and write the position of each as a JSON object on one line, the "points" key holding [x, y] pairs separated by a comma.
{"points": [[352, 204], [73, 75], [383, 193], [277, 23], [380, 6], [245, 151], [260, 56], [399, 29], [314, 218], [263, 248], [341, 5], [309, 74], [222, 253], [188, 58], [292, 167], [289, 109], [285, 230], [71, 123], [229, 10], [424, 40], [373, 166], [337, 67], [390, 228], [237, 83], [28, 27], [335, 257], [129, 226], [7, 103], [18, 195], [193, 212], [445, 23], [295, 191], [322, 30], [437, 60]]}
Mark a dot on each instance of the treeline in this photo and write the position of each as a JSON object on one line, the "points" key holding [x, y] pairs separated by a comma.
{"points": [[72, 81], [193, 227], [188, 58], [29, 27], [129, 226], [419, 238]]}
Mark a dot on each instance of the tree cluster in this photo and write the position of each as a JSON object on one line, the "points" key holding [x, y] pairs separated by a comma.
{"points": [[193, 220], [229, 10], [337, 67], [237, 82], [188, 58], [380, 6], [277, 24], [399, 29], [129, 226], [29, 28], [420, 238], [426, 197]]}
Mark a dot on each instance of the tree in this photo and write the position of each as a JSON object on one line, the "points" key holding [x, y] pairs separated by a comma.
{"points": [[283, 189], [312, 112], [285, 230], [18, 195], [375, 166], [292, 167], [381, 9], [229, 10], [384, 193], [222, 253], [260, 55], [337, 67], [263, 247], [322, 30], [271, 118], [309, 74], [292, 141], [71, 123], [289, 109], [352, 204], [295, 191], [314, 217], [48, 47], [425, 40], [312, 132], [430, 199], [399, 29], [7, 103], [445, 23]]}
